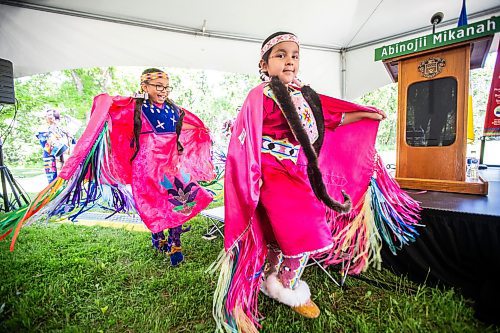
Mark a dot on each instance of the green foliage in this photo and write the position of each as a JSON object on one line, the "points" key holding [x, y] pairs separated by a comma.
{"points": [[480, 83], [70, 278], [69, 91], [385, 98], [79, 86], [213, 96]]}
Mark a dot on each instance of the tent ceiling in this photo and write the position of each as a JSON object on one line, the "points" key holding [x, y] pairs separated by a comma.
{"points": [[329, 23], [46, 35]]}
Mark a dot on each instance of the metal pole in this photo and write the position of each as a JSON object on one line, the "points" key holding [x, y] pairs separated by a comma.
{"points": [[343, 65], [2, 175], [481, 154]]}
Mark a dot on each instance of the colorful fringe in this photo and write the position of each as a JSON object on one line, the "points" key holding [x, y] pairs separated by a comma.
{"points": [[10, 220], [92, 181], [386, 214], [235, 298]]}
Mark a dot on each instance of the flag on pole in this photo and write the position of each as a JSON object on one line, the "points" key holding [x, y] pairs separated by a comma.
{"points": [[462, 20], [470, 121]]}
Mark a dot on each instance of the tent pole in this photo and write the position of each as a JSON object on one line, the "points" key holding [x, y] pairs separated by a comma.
{"points": [[343, 61], [156, 26]]}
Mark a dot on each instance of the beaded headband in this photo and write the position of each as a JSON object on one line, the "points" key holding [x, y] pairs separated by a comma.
{"points": [[153, 76], [278, 39]]}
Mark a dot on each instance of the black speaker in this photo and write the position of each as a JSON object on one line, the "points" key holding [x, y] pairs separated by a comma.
{"points": [[7, 95]]}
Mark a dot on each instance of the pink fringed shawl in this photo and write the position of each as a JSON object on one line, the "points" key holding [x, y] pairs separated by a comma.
{"points": [[165, 194], [118, 111], [348, 161]]}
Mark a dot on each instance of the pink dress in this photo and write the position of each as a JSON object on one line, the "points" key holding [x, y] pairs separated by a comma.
{"points": [[165, 189], [287, 203]]}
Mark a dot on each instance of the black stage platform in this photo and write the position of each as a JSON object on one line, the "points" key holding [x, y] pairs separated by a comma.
{"points": [[463, 203], [459, 246]]}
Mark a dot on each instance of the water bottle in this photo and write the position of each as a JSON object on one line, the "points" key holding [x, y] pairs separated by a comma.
{"points": [[472, 170]]}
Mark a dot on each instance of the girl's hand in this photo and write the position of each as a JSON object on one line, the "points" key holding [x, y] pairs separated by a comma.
{"points": [[379, 115], [351, 117], [186, 126], [382, 113]]}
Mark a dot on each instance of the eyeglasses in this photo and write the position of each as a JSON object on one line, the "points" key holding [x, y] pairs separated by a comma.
{"points": [[160, 87]]}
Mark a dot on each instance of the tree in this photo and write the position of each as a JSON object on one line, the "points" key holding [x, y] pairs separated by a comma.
{"points": [[384, 98], [213, 96], [480, 82], [69, 91]]}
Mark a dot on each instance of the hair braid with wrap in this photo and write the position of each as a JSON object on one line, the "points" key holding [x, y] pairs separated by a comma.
{"points": [[311, 152]]}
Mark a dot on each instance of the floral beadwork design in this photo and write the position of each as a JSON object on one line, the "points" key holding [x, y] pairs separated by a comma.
{"points": [[180, 195]]}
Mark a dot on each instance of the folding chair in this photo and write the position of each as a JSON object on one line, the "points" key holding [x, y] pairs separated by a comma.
{"points": [[216, 217], [315, 260]]}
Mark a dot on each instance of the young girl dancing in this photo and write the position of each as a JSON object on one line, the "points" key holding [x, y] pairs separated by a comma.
{"points": [[148, 142], [293, 156]]}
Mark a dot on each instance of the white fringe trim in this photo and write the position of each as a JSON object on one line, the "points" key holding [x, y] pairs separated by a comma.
{"points": [[323, 249]]}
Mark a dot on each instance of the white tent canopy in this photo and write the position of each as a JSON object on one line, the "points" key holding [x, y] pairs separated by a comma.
{"points": [[338, 37]]}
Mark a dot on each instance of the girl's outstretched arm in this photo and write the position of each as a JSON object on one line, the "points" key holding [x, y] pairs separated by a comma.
{"points": [[351, 117], [337, 111]]}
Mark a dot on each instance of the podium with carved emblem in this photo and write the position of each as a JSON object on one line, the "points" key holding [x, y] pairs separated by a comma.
{"points": [[433, 90]]}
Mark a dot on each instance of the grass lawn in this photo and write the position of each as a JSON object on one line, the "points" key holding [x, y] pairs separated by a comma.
{"points": [[71, 278]]}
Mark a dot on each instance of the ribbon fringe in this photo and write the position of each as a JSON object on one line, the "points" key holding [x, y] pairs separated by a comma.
{"points": [[92, 182], [386, 214], [235, 298]]}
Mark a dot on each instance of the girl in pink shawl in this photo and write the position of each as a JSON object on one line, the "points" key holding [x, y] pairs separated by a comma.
{"points": [[285, 172], [147, 144], [158, 154]]}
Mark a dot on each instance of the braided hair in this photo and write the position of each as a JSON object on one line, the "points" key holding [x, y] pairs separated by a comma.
{"points": [[138, 117], [311, 150]]}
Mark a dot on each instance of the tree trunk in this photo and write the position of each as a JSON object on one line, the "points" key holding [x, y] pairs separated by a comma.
{"points": [[77, 81], [107, 79]]}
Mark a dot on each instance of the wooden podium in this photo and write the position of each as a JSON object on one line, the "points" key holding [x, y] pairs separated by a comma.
{"points": [[433, 90]]}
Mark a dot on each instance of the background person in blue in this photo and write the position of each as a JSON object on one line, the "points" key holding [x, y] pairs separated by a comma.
{"points": [[55, 142]]}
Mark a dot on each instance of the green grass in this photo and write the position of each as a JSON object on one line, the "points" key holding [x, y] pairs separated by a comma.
{"points": [[70, 278]]}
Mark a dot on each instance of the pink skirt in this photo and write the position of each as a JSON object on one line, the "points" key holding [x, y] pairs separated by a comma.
{"points": [[165, 191], [291, 215]]}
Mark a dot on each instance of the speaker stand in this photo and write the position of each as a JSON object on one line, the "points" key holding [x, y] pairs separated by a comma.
{"points": [[19, 198]]}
